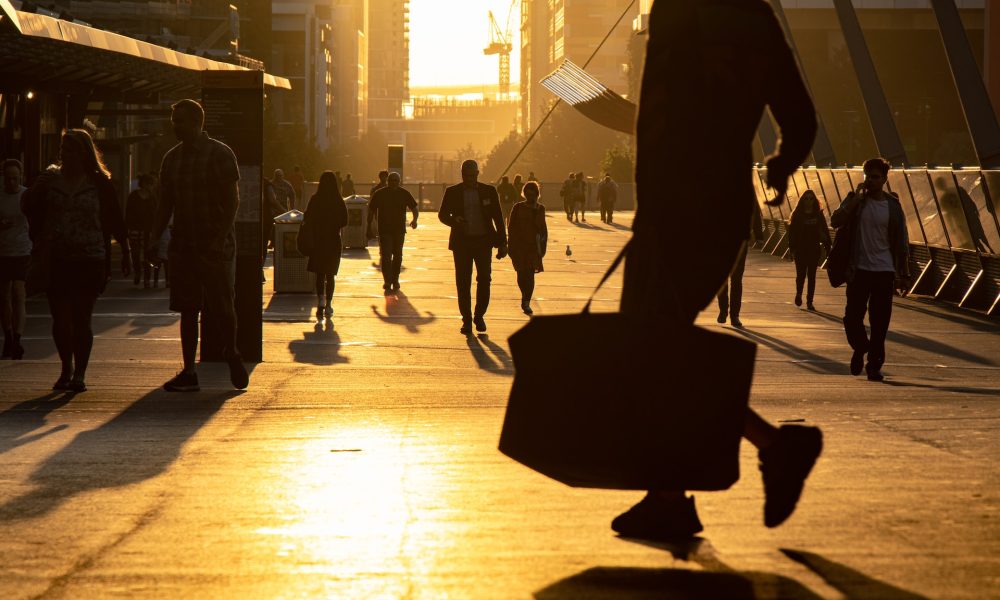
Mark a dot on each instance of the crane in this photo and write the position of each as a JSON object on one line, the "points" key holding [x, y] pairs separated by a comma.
{"points": [[501, 43]]}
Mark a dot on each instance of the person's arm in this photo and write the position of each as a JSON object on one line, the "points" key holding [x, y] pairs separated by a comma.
{"points": [[113, 226], [498, 221], [372, 208], [842, 216], [446, 214], [414, 208], [164, 211], [824, 232], [793, 109]]}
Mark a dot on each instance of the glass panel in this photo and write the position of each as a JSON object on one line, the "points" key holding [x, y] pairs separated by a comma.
{"points": [[950, 204], [856, 177], [834, 196], [843, 184], [897, 184], [758, 189], [792, 195], [978, 211], [812, 183], [923, 197]]}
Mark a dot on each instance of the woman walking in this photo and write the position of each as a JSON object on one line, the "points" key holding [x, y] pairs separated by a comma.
{"points": [[319, 239], [527, 237], [73, 213], [15, 252], [807, 231]]}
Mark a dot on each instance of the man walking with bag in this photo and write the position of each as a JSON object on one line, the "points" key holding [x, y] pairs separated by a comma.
{"points": [[472, 210], [878, 264]]}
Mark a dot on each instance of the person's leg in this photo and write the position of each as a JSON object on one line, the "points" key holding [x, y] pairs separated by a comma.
{"points": [[522, 284], [397, 258], [529, 284], [800, 278], [879, 314], [484, 268], [6, 316], [463, 282], [147, 268], [736, 287], [811, 267], [723, 300], [189, 339], [858, 292], [320, 294], [385, 245], [331, 283], [83, 333], [61, 310], [18, 316], [135, 241]]}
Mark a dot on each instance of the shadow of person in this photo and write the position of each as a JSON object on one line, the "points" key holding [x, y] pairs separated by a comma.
{"points": [[609, 583], [801, 357], [620, 226], [485, 359], [143, 325], [138, 444], [321, 346], [19, 421], [400, 311], [920, 342], [583, 225], [498, 351], [853, 584]]}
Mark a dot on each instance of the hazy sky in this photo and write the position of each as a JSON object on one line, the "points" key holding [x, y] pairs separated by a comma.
{"points": [[447, 38]]}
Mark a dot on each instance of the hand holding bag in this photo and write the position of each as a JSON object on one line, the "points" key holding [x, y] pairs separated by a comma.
{"points": [[650, 404]]}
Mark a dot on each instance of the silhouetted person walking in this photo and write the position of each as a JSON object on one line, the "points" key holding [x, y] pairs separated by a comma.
{"points": [[390, 204], [730, 297], [527, 236], [383, 178], [347, 186], [284, 193], [15, 254], [472, 210], [579, 194], [319, 239], [73, 212], [508, 196], [607, 196], [711, 67], [878, 266], [807, 233], [140, 211], [567, 195], [199, 189]]}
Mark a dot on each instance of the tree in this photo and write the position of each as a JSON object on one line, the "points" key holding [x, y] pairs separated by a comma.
{"points": [[500, 156], [619, 162]]}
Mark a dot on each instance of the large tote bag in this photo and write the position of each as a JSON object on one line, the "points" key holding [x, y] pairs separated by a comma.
{"points": [[610, 401]]}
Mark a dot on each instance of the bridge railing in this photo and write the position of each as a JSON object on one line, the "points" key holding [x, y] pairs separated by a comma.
{"points": [[951, 215]]}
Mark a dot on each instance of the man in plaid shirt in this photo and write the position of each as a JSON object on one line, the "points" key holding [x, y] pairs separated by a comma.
{"points": [[199, 189]]}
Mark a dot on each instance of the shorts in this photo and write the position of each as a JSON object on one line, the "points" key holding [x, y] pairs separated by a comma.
{"points": [[14, 268], [68, 277], [196, 282]]}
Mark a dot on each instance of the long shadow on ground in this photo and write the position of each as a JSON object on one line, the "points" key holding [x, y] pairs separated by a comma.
{"points": [[803, 358], [400, 311], [138, 444], [20, 424]]}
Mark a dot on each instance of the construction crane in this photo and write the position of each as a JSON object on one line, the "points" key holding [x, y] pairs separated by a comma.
{"points": [[501, 43]]}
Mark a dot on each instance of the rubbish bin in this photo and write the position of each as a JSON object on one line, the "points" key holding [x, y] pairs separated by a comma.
{"points": [[290, 273], [354, 234]]}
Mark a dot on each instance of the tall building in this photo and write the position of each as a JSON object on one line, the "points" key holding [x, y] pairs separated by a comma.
{"points": [[389, 58], [302, 47], [555, 30], [350, 70]]}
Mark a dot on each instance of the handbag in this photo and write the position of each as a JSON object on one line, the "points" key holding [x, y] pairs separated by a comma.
{"points": [[838, 260], [650, 404], [304, 239]]}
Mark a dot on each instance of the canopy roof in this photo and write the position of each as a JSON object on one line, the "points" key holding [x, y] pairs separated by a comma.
{"points": [[579, 89], [48, 53]]}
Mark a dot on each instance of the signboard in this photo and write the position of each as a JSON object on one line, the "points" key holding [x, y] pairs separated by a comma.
{"points": [[395, 161], [234, 115]]}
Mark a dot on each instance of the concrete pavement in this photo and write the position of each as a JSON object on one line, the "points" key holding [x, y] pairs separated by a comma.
{"points": [[362, 461]]}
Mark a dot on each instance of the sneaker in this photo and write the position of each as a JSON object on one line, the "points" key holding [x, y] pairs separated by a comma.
{"points": [[722, 316], [183, 382], [784, 466], [809, 305], [655, 518], [735, 321], [237, 372], [466, 328], [857, 362], [874, 374], [77, 386], [798, 299], [526, 307], [329, 311], [61, 384], [480, 323]]}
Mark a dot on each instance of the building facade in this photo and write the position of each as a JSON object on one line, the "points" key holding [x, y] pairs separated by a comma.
{"points": [[389, 58], [350, 73]]}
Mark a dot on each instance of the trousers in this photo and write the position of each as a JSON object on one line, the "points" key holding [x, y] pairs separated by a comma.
{"points": [[478, 252], [391, 250], [731, 295], [869, 292]]}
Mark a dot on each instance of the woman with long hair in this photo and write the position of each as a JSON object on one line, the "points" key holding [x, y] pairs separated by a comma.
{"points": [[73, 212], [320, 239], [807, 231], [527, 236]]}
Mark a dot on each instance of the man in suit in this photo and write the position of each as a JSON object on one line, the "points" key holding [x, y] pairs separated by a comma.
{"points": [[472, 210]]}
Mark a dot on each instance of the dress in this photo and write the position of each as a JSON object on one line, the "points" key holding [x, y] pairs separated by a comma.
{"points": [[324, 219], [523, 230]]}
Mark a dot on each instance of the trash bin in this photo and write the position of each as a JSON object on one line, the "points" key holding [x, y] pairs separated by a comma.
{"points": [[354, 234], [290, 274]]}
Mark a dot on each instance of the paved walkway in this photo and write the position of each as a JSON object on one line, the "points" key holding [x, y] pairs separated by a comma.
{"points": [[362, 462]]}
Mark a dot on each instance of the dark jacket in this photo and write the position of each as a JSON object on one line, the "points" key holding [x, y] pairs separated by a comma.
{"points": [[453, 205], [899, 239], [805, 238]]}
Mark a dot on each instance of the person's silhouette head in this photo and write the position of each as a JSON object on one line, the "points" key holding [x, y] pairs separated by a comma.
{"points": [[348, 177], [517, 179], [393, 180], [187, 118], [470, 172], [383, 175], [607, 178], [876, 172], [279, 175], [505, 179], [530, 192], [12, 172], [328, 187]]}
